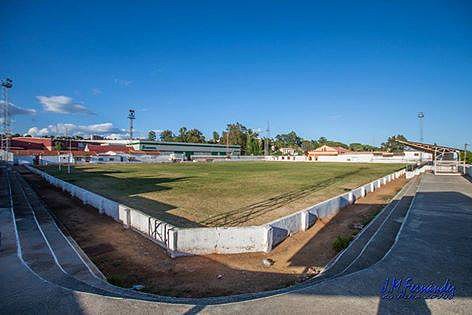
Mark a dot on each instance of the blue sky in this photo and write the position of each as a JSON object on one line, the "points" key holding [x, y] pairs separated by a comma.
{"points": [[354, 71]]}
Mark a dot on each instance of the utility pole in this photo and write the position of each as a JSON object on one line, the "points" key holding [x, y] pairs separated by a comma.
{"points": [[266, 142], [465, 157], [227, 143], [131, 117], [6, 84]]}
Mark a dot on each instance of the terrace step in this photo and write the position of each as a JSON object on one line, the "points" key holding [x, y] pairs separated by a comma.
{"points": [[347, 257], [35, 249], [383, 239], [69, 257]]}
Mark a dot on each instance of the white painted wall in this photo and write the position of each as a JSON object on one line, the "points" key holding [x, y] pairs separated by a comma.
{"points": [[221, 240], [409, 157]]}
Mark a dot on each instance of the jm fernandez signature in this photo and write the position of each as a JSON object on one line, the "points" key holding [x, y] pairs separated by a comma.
{"points": [[407, 289]]}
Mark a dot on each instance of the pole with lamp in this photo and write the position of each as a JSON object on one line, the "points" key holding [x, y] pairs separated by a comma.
{"points": [[420, 117], [6, 85], [70, 155]]}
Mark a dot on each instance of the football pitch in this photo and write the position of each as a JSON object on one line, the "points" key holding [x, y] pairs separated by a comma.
{"points": [[224, 193]]}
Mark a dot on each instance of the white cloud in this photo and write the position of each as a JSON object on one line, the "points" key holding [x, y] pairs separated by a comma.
{"points": [[61, 104], [102, 129], [35, 131], [122, 82], [15, 110], [96, 91], [117, 136]]}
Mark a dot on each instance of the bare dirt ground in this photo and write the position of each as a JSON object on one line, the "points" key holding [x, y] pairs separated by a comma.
{"points": [[126, 258]]}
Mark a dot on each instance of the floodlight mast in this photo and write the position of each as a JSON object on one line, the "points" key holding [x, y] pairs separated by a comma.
{"points": [[420, 117], [131, 117], [5, 144]]}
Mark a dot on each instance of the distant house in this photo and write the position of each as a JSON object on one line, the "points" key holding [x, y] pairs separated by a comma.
{"points": [[47, 144], [287, 151], [101, 149], [327, 150]]}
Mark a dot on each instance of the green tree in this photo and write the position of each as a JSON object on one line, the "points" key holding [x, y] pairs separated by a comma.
{"points": [[194, 136], [468, 156], [322, 141], [167, 136], [216, 137], [235, 134], [253, 143], [152, 135], [182, 137], [391, 145], [290, 139], [356, 146], [58, 146], [308, 145]]}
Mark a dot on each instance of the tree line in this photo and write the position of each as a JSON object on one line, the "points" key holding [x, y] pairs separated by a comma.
{"points": [[252, 142]]}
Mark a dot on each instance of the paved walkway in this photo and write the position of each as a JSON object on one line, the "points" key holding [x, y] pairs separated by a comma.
{"points": [[434, 244]]}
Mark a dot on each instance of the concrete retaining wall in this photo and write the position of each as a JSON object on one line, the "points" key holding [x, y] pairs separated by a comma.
{"points": [[468, 169], [418, 171], [221, 240]]}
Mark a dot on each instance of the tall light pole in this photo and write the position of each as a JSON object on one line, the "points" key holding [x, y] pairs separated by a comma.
{"points": [[70, 152], [131, 117], [6, 84], [420, 117]]}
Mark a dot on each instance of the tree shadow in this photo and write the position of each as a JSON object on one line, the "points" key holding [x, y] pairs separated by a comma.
{"points": [[127, 191], [244, 214]]}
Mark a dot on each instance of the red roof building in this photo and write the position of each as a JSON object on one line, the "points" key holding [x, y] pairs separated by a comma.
{"points": [[327, 150]]}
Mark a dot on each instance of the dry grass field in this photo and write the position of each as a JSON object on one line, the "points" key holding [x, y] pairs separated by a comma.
{"points": [[222, 194]]}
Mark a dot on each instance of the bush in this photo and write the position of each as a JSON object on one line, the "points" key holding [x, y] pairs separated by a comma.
{"points": [[341, 242], [118, 280]]}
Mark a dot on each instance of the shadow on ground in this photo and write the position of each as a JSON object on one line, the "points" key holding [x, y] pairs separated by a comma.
{"points": [[244, 214]]}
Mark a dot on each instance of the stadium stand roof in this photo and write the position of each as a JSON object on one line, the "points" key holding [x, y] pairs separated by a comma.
{"points": [[426, 147]]}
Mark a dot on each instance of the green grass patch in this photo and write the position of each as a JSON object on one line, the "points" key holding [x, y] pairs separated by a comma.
{"points": [[341, 242], [222, 194]]}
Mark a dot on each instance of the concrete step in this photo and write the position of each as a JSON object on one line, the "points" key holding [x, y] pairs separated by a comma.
{"points": [[35, 249], [68, 255], [384, 238], [345, 258]]}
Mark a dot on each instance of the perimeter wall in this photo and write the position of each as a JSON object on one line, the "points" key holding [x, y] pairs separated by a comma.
{"points": [[222, 240]]}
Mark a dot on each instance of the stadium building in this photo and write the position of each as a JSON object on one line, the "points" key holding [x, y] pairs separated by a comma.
{"points": [[187, 149]]}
